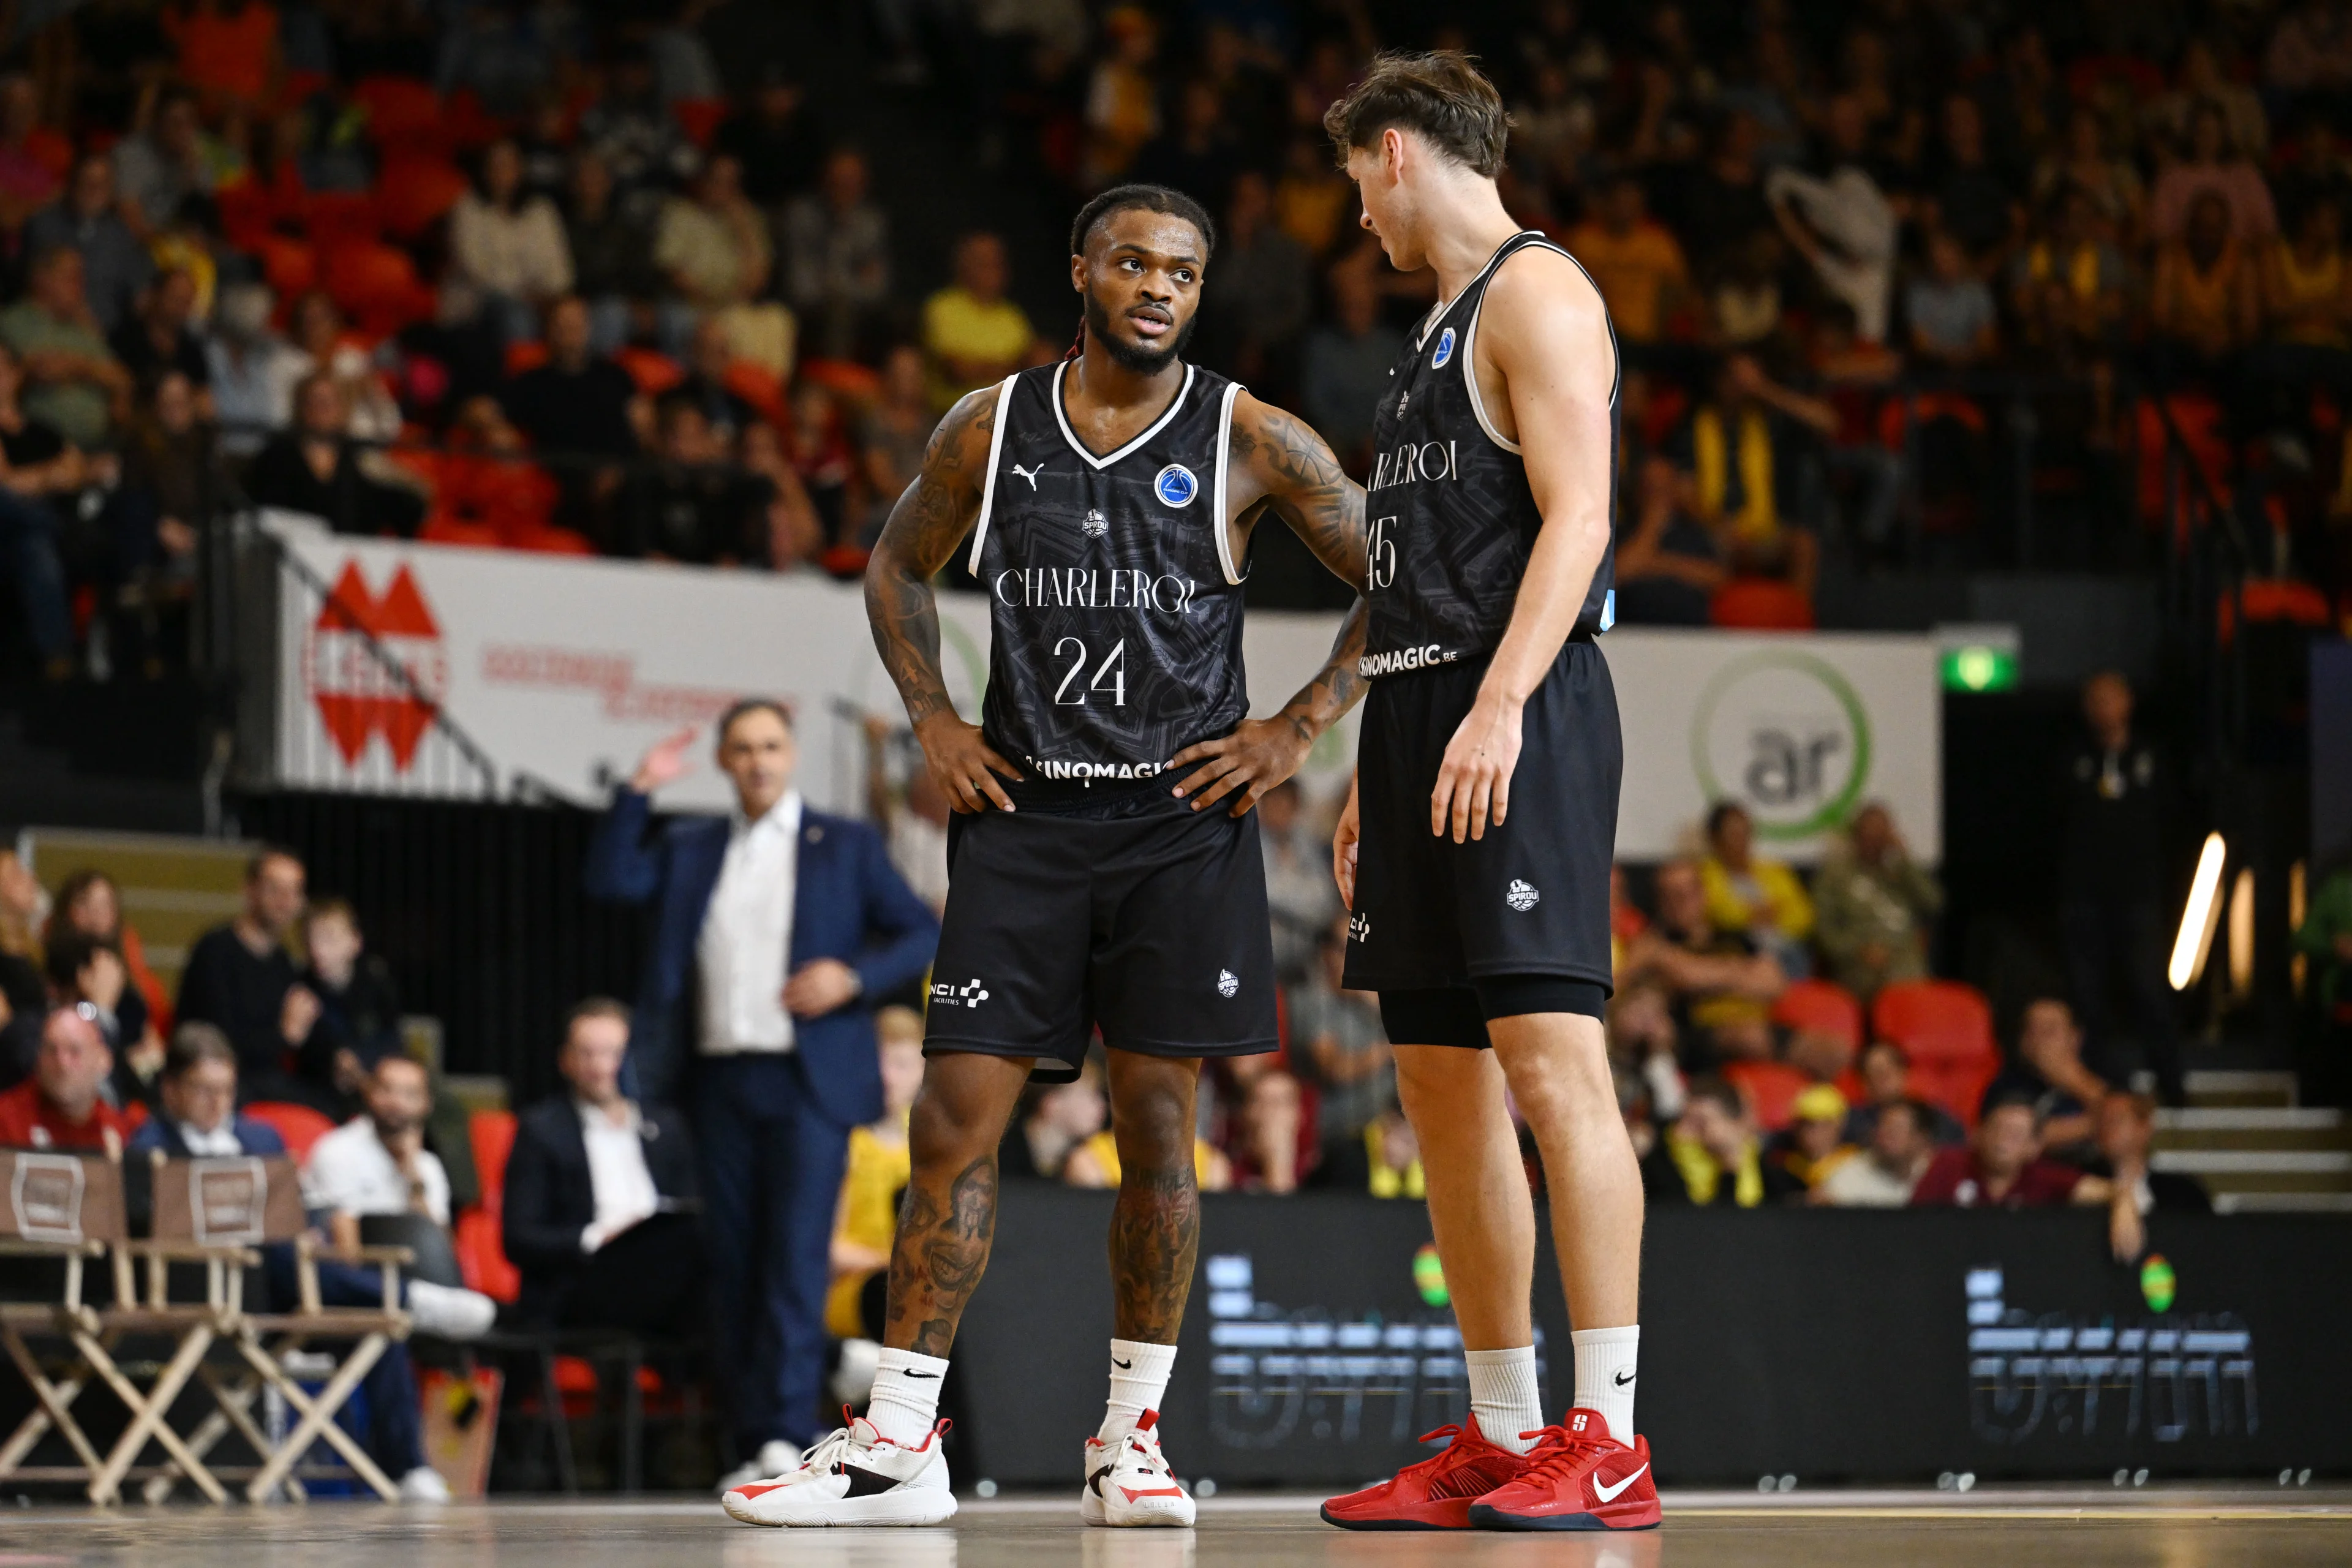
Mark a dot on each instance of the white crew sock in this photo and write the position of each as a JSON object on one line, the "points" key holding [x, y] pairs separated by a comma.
{"points": [[1504, 1395], [1139, 1381], [906, 1402], [1604, 1374]]}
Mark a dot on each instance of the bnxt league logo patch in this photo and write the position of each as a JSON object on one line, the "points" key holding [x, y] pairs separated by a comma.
{"points": [[1176, 486], [946, 993], [1228, 983], [1521, 895]]}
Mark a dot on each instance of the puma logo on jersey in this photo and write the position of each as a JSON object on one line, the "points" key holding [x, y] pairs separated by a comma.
{"points": [[1029, 474], [1521, 895]]}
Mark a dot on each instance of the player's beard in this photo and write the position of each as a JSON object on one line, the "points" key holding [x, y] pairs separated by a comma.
{"points": [[1132, 356]]}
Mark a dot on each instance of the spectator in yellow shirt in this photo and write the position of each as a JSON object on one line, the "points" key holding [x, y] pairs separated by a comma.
{"points": [[1636, 263], [867, 1219], [1746, 893], [971, 332]]}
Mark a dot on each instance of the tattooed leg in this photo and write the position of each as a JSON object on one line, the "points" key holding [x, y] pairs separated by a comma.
{"points": [[1155, 1228], [949, 1217]]}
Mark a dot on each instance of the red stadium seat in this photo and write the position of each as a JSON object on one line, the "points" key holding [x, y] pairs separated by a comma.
{"points": [[481, 1251], [337, 217], [525, 355], [699, 118], [246, 212], [1946, 1028], [1761, 604], [375, 285], [298, 1124], [413, 193], [844, 378], [1823, 1006], [289, 267], [1770, 1089], [443, 529], [653, 372], [401, 109], [762, 388]]}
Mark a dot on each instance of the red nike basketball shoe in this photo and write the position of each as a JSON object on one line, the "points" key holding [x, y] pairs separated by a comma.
{"points": [[1577, 1478], [1437, 1493]]}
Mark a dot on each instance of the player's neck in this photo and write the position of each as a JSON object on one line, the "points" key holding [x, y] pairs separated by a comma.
{"points": [[1465, 223], [1101, 382]]}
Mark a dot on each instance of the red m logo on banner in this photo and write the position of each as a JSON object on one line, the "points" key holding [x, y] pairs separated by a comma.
{"points": [[360, 646]]}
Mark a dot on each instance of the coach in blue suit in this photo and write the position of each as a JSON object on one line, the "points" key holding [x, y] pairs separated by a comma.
{"points": [[774, 925]]}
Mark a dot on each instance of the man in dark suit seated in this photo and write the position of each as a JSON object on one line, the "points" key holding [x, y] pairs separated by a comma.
{"points": [[776, 928], [199, 1120], [596, 1190]]}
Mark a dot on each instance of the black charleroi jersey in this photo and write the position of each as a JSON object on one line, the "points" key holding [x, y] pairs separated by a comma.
{"points": [[1452, 518], [1115, 602]]}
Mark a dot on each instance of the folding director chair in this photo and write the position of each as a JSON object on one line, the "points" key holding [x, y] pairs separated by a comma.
{"points": [[225, 1207], [70, 1207]]}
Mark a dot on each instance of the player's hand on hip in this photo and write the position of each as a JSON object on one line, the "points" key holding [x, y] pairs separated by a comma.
{"points": [[964, 764], [1259, 754], [1474, 784], [1343, 848]]}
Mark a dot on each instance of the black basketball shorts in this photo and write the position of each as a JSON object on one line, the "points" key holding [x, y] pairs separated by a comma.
{"points": [[1527, 903], [1137, 915]]}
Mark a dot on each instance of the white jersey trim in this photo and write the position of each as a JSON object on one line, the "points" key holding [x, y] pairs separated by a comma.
{"points": [[1098, 463], [995, 450], [1217, 512], [1470, 350], [1439, 311]]}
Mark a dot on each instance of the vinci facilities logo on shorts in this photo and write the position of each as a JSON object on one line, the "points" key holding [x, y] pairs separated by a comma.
{"points": [[1175, 485], [1228, 983], [947, 994], [1521, 895], [1360, 927]]}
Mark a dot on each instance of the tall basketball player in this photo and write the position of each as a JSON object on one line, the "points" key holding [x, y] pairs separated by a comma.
{"points": [[1474, 849], [1105, 868]]}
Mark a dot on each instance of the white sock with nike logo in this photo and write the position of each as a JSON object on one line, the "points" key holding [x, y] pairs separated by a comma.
{"points": [[1139, 1381], [906, 1403], [1604, 1375], [1505, 1397]]}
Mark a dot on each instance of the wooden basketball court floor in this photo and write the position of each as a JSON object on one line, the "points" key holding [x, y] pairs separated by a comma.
{"points": [[1990, 1528]]}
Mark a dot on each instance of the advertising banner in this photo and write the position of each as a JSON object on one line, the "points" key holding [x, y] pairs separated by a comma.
{"points": [[561, 671]]}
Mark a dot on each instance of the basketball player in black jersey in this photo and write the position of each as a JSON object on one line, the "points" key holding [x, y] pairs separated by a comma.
{"points": [[1476, 845], [1105, 866]]}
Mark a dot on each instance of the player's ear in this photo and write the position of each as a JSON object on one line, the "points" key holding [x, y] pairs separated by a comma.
{"points": [[1078, 273]]}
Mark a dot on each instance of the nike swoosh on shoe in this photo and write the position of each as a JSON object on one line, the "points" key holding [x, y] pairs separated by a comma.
{"points": [[1612, 1491]]}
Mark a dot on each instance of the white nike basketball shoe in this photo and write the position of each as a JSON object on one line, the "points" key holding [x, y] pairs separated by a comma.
{"points": [[1129, 1482], [856, 1477]]}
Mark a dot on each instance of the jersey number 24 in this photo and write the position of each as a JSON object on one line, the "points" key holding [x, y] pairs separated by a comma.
{"points": [[1110, 675]]}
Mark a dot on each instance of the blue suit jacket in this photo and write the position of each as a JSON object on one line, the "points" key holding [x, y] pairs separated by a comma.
{"points": [[253, 1136], [848, 903]]}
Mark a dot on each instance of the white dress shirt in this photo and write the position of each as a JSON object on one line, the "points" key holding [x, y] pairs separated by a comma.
{"points": [[617, 1172], [351, 1172], [218, 1142], [746, 943]]}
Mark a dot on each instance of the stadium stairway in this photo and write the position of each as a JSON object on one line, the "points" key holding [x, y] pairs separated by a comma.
{"points": [[174, 887], [2256, 1149]]}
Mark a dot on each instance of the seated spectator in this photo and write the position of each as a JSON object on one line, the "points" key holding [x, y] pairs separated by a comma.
{"points": [[2307, 314], [2047, 1068], [1720, 983], [837, 245], [1059, 1117], [2205, 302], [24, 994], [1094, 1162], [914, 820], [1336, 1035], [359, 1006], [88, 901], [507, 245], [114, 264], [1635, 262], [1384, 1163], [2000, 1168], [710, 355], [157, 170], [1265, 286], [1747, 447], [1872, 906], [2071, 287], [1972, 201], [2211, 167], [1643, 1047], [317, 468], [1815, 1143], [687, 506], [596, 1191], [38, 470], [1885, 1072], [2201, 81], [2083, 163], [1752, 893], [578, 401], [712, 246], [1312, 201], [1300, 895], [158, 336], [1344, 368], [251, 370], [62, 1104], [795, 533], [173, 483], [973, 334], [817, 443], [197, 1119], [1951, 314], [377, 1164], [897, 428], [28, 174], [612, 264], [85, 973], [370, 413], [72, 381], [633, 134], [240, 979], [1842, 224], [879, 1165], [1265, 1138], [775, 137], [1669, 567], [1712, 1157], [1888, 1167]]}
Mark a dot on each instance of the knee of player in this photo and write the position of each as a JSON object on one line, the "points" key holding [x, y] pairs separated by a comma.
{"points": [[1154, 1130], [942, 1129]]}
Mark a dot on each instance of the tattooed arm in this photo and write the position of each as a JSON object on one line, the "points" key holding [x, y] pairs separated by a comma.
{"points": [[929, 521], [1280, 465]]}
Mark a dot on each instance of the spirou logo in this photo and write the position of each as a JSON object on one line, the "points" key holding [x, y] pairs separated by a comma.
{"points": [[1096, 524]]}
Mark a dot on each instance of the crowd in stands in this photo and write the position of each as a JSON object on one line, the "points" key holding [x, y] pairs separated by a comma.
{"points": [[1884, 275]]}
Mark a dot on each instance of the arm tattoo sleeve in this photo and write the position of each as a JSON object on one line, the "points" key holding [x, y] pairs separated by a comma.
{"points": [[1305, 483], [925, 526]]}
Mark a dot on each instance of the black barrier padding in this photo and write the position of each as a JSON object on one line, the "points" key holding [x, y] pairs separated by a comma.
{"points": [[1832, 1345]]}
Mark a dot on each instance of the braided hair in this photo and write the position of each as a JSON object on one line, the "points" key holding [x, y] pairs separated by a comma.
{"points": [[1137, 198]]}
